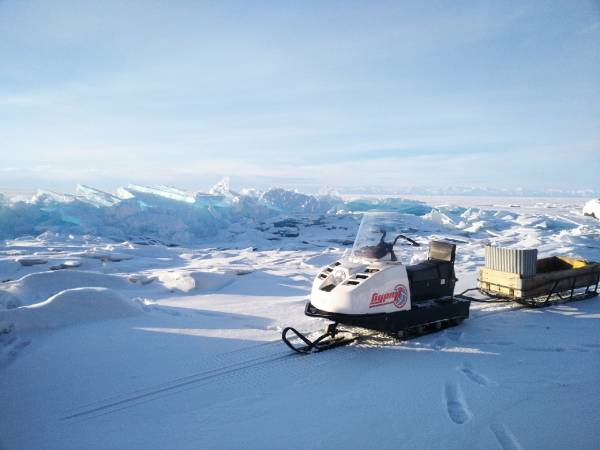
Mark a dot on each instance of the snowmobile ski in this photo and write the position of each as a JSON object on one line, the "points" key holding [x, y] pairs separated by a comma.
{"points": [[326, 341]]}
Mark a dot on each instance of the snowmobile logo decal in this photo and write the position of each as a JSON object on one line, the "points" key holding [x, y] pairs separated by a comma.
{"points": [[398, 297]]}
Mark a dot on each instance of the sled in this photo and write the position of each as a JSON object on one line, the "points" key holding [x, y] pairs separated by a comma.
{"points": [[519, 276]]}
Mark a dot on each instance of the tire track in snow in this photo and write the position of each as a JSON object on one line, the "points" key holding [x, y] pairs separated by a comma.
{"points": [[505, 437], [457, 408]]}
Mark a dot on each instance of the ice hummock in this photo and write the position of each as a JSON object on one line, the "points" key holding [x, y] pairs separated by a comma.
{"points": [[96, 197], [171, 214]]}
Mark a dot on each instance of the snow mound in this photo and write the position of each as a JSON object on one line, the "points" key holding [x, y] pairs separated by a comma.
{"points": [[31, 261], [592, 208], [36, 287], [71, 307], [186, 281]]}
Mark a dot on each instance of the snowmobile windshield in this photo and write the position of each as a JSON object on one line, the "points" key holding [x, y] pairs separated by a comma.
{"points": [[378, 235]]}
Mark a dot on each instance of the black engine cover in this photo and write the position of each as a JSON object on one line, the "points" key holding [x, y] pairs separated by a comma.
{"points": [[433, 278]]}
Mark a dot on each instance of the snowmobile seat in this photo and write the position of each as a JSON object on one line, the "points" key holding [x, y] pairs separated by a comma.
{"points": [[423, 271], [433, 278], [441, 251]]}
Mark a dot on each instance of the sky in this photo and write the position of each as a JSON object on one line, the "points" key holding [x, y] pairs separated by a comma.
{"points": [[309, 94]]}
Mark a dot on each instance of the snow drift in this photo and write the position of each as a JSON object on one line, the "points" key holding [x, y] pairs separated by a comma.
{"points": [[71, 307], [185, 281], [592, 208], [37, 287]]}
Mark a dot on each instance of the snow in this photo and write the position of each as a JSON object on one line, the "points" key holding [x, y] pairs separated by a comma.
{"points": [[31, 261], [155, 321], [35, 287], [592, 208], [186, 281], [70, 307]]}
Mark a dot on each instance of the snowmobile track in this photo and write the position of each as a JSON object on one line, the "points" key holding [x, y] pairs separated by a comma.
{"points": [[226, 363], [174, 386], [178, 385], [208, 364]]}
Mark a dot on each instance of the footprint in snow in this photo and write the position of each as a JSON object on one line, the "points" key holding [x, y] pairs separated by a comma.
{"points": [[505, 437], [456, 406], [447, 338], [455, 336], [10, 344], [474, 375], [440, 343]]}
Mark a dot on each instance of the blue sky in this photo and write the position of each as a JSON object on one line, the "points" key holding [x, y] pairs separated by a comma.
{"points": [[301, 94]]}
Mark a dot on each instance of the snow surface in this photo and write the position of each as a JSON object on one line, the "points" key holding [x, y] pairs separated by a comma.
{"points": [[592, 208], [151, 319]]}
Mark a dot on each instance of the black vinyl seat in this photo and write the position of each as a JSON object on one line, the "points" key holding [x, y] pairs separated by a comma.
{"points": [[441, 251], [433, 278]]}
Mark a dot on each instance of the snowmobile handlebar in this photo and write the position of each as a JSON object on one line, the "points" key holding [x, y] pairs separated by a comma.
{"points": [[382, 249], [406, 238]]}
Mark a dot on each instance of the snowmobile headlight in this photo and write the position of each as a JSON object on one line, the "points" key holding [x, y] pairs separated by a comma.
{"points": [[338, 276]]}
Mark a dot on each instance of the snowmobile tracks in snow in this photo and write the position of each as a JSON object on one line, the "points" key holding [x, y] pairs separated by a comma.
{"points": [[173, 386], [230, 367]]}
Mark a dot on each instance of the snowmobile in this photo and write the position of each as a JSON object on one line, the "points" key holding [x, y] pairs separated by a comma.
{"points": [[371, 289]]}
